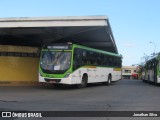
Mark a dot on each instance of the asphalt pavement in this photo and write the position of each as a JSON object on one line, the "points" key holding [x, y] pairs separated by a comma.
{"points": [[124, 95]]}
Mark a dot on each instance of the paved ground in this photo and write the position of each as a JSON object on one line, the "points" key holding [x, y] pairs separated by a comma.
{"points": [[124, 95]]}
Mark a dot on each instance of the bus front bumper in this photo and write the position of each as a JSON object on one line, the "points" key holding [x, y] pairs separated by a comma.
{"points": [[56, 80]]}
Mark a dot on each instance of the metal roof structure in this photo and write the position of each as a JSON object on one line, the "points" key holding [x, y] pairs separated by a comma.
{"points": [[92, 31]]}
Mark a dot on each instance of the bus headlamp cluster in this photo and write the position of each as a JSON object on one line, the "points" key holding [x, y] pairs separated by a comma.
{"points": [[67, 75], [40, 74]]}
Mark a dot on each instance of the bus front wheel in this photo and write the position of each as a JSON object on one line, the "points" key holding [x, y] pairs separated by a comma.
{"points": [[84, 81]]}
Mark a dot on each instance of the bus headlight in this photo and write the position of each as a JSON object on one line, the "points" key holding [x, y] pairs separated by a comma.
{"points": [[67, 75], [40, 74]]}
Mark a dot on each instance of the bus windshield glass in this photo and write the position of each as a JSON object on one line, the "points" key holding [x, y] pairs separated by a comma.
{"points": [[55, 61]]}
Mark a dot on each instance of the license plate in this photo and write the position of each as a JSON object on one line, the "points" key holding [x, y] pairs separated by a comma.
{"points": [[52, 81]]}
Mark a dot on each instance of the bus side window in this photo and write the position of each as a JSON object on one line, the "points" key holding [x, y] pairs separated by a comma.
{"points": [[102, 59], [95, 58], [89, 57], [120, 62], [117, 62], [77, 59], [110, 61], [106, 60], [113, 61], [84, 57], [92, 58], [99, 59], [149, 65], [146, 66]]}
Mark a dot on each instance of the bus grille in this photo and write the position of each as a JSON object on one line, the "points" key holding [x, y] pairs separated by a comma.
{"points": [[53, 80]]}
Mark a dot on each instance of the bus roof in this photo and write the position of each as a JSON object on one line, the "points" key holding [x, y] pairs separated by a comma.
{"points": [[151, 58]]}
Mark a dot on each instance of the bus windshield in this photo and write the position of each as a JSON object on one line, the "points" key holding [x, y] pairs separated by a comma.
{"points": [[55, 61]]}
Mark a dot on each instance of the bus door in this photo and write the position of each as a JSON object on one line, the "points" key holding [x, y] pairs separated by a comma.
{"points": [[158, 71], [92, 73], [155, 71], [152, 70], [90, 61]]}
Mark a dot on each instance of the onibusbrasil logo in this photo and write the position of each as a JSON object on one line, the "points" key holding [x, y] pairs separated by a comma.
{"points": [[21, 114]]}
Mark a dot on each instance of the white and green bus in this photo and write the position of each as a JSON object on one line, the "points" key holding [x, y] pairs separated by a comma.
{"points": [[151, 70], [76, 64]]}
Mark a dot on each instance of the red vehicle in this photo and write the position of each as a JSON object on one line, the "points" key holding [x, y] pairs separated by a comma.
{"points": [[135, 76]]}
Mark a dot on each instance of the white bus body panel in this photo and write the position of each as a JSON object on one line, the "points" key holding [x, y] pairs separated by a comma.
{"points": [[95, 74], [158, 79], [98, 74], [151, 75], [143, 76]]}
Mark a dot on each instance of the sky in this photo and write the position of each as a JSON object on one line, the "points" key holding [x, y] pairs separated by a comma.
{"points": [[134, 23]]}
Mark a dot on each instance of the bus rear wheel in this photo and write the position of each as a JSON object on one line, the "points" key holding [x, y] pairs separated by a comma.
{"points": [[83, 83], [109, 80]]}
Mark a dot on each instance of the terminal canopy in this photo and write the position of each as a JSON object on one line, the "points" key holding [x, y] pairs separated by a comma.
{"points": [[92, 31]]}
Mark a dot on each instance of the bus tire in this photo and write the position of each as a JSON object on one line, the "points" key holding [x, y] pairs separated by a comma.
{"points": [[84, 82], [109, 80]]}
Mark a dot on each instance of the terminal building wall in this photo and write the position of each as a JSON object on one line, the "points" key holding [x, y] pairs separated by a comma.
{"points": [[129, 72], [18, 64]]}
